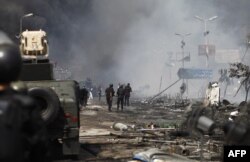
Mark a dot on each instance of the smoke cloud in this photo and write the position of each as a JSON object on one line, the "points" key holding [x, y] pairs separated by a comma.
{"points": [[118, 41]]}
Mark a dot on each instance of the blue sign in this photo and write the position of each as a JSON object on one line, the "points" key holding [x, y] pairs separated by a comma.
{"points": [[185, 73]]}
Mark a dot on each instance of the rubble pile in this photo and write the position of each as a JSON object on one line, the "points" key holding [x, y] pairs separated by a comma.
{"points": [[120, 136]]}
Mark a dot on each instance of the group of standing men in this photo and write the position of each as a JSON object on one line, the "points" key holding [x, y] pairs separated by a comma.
{"points": [[123, 95]]}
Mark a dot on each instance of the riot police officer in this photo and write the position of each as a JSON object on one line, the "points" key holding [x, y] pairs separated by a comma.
{"points": [[84, 96], [120, 97], [110, 93], [22, 131], [127, 90]]}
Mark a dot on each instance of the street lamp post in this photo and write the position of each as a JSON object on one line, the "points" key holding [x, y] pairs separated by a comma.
{"points": [[21, 21], [183, 44], [206, 32], [182, 49]]}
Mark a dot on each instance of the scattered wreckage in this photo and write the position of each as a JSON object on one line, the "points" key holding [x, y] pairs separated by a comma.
{"points": [[198, 131], [158, 134], [168, 131]]}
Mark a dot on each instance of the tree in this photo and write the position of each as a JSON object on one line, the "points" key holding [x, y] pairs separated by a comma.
{"points": [[240, 70], [224, 78]]}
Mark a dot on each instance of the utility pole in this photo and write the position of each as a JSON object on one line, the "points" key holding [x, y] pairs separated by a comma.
{"points": [[160, 85], [183, 43], [21, 22], [183, 86], [206, 32]]}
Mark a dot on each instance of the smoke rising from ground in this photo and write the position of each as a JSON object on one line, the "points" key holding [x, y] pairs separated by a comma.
{"points": [[118, 41]]}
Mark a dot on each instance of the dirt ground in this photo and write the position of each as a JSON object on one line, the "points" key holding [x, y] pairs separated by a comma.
{"points": [[97, 122], [96, 115], [102, 143]]}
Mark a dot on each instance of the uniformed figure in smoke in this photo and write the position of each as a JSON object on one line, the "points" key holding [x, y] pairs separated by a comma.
{"points": [[99, 93], [22, 131], [84, 93], [120, 97], [110, 93], [128, 90]]}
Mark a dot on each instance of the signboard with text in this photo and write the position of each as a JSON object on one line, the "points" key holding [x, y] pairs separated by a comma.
{"points": [[185, 73]]}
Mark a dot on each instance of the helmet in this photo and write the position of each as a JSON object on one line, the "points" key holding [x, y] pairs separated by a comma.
{"points": [[10, 63]]}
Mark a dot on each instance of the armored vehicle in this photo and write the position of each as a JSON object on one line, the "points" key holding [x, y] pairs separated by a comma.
{"points": [[58, 100]]}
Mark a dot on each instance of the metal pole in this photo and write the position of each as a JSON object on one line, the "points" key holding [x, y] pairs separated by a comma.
{"points": [[206, 42], [182, 47], [206, 32], [160, 85], [205, 35], [21, 24], [158, 94], [21, 21], [182, 55], [183, 59]]}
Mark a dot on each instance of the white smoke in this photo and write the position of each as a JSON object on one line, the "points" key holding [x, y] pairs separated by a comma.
{"points": [[121, 41], [147, 33], [4, 38]]}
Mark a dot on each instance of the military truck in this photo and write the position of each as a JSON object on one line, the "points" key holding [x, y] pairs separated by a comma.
{"points": [[58, 100]]}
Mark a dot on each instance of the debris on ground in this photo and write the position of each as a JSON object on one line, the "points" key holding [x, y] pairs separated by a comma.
{"points": [[141, 128]]}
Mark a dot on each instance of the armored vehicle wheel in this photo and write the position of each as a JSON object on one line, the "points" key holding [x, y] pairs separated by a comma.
{"points": [[48, 101]]}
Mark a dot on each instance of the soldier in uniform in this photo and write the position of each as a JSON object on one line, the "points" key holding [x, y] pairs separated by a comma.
{"points": [[128, 90], [99, 93], [120, 97], [84, 96], [110, 93], [22, 130]]}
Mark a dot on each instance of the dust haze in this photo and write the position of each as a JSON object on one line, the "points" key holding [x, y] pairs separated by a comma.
{"points": [[118, 41]]}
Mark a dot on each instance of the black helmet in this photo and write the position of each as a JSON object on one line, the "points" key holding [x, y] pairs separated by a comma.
{"points": [[10, 63]]}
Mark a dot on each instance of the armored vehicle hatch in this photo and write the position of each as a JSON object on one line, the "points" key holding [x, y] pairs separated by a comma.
{"points": [[34, 45]]}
